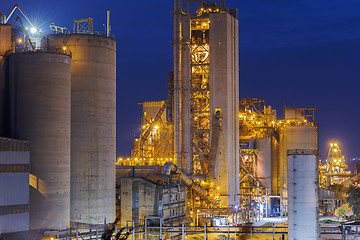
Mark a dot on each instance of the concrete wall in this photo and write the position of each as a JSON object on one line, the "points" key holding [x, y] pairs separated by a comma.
{"points": [[93, 125], [148, 199], [5, 45], [303, 195], [138, 199], [40, 113], [5, 38], [224, 95], [14, 185], [173, 201]]}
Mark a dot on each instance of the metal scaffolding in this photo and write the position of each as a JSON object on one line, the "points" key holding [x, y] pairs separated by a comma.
{"points": [[200, 94]]}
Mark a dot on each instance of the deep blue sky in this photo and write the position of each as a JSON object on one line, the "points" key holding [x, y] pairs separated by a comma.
{"points": [[292, 53]]}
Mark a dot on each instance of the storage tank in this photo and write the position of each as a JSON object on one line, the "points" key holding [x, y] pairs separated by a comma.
{"points": [[298, 136], [40, 113], [303, 194], [93, 123], [264, 160], [295, 137]]}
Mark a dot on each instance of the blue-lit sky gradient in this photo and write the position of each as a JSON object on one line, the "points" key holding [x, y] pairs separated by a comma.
{"points": [[292, 53]]}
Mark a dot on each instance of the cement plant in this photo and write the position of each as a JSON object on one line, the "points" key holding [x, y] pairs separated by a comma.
{"points": [[207, 163]]}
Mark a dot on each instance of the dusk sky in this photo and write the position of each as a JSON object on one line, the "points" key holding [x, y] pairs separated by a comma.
{"points": [[292, 53]]}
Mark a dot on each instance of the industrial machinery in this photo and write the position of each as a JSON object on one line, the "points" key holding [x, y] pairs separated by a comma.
{"points": [[334, 171]]}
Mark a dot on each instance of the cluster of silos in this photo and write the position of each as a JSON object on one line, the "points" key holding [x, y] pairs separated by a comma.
{"points": [[62, 99], [93, 123], [303, 194]]}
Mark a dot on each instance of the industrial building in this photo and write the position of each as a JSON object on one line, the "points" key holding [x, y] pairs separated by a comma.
{"points": [[58, 93], [14, 174], [231, 153], [203, 156]]}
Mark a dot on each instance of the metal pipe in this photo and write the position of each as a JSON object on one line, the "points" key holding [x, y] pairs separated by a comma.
{"points": [[170, 167], [108, 23], [216, 127], [23, 13], [177, 81]]}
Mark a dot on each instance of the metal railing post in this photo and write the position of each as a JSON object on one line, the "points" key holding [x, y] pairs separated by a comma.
{"points": [[250, 231], [77, 234], [273, 225], [228, 232], [97, 231], [133, 229], [57, 235], [146, 230], [205, 231], [160, 228], [183, 231]]}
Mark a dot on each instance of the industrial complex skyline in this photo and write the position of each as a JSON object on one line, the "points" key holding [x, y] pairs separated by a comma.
{"points": [[159, 119], [291, 54]]}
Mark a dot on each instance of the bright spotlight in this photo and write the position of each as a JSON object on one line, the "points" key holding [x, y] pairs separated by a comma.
{"points": [[33, 30]]}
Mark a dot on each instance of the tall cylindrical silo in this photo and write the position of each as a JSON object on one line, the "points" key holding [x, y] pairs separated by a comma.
{"points": [[93, 123], [294, 137], [40, 113], [303, 194]]}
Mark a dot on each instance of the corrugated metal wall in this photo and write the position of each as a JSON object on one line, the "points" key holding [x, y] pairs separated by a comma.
{"points": [[14, 185]]}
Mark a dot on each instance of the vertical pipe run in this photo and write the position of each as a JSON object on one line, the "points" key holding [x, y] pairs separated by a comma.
{"points": [[108, 23], [177, 81]]}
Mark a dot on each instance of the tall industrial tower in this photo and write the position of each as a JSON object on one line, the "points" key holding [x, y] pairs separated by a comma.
{"points": [[206, 94]]}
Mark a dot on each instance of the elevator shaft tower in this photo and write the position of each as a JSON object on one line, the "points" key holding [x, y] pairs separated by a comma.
{"points": [[206, 81]]}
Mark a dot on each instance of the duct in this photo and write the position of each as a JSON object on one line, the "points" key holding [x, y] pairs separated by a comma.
{"points": [[170, 167], [216, 127], [177, 80]]}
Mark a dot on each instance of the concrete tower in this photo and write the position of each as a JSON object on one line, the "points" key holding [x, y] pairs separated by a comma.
{"points": [[40, 113], [93, 124], [206, 84]]}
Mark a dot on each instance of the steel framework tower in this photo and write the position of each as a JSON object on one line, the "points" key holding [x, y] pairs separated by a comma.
{"points": [[206, 82]]}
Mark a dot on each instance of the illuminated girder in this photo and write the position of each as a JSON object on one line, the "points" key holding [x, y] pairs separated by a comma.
{"points": [[200, 95], [155, 143], [256, 119], [334, 170], [336, 166]]}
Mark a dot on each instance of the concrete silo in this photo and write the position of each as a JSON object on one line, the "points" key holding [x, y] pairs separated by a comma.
{"points": [[39, 90], [298, 132], [93, 123], [303, 194]]}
